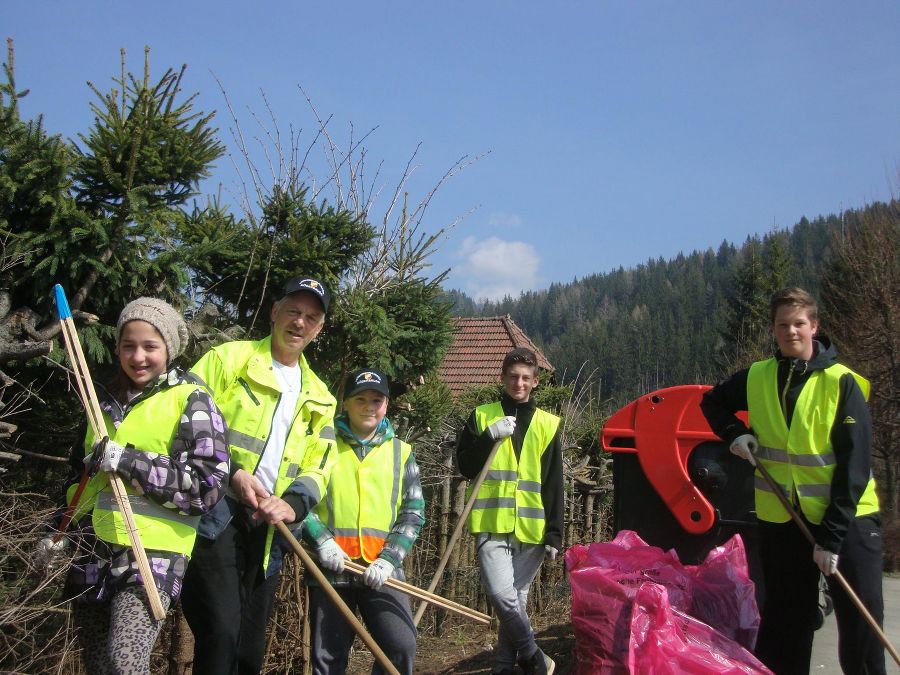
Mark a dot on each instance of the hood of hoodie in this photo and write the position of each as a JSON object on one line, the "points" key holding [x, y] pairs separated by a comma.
{"points": [[825, 355], [383, 433]]}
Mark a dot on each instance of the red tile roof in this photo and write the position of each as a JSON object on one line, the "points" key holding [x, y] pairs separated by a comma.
{"points": [[479, 345]]}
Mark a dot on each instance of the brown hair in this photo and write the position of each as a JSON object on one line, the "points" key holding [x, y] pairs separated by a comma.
{"points": [[520, 355], [794, 297]]}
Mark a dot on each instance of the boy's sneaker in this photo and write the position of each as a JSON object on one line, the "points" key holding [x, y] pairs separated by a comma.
{"points": [[538, 664]]}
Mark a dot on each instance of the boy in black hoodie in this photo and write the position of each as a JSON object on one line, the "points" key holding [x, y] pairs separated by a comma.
{"points": [[810, 428], [517, 517]]}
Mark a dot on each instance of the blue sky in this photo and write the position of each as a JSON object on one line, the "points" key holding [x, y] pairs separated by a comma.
{"points": [[607, 133]]}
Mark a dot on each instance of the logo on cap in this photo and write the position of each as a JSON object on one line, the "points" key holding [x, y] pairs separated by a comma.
{"points": [[313, 285], [368, 376]]}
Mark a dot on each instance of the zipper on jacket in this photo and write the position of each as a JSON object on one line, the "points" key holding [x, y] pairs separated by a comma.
{"points": [[784, 393], [795, 497], [246, 387]]}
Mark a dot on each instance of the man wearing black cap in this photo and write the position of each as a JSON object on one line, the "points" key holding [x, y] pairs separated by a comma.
{"points": [[281, 442], [372, 513]]}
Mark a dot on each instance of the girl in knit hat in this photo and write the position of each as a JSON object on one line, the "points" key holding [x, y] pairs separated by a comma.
{"points": [[167, 443]]}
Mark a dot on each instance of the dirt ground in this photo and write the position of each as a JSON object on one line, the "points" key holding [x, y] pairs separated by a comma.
{"points": [[465, 649]]}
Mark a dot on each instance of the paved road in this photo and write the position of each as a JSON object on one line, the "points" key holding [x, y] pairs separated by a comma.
{"points": [[824, 657]]}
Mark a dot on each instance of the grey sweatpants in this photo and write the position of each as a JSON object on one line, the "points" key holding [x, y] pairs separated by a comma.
{"points": [[508, 567], [116, 637], [384, 612]]}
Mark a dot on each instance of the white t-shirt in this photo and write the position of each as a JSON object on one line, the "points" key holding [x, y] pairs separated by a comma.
{"points": [[290, 380]]}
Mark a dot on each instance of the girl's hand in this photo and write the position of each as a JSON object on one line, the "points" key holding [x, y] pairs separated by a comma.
{"points": [[48, 551], [105, 455]]}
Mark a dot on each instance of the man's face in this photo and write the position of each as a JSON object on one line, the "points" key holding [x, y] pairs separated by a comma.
{"points": [[296, 321], [519, 380], [365, 411], [794, 331]]}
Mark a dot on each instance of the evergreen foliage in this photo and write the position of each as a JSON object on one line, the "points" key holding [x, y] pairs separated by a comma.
{"points": [[106, 210], [763, 268], [109, 220], [390, 316], [290, 236], [112, 208]]}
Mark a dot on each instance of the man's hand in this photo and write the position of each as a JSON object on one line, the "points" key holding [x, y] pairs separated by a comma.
{"points": [[331, 556], [274, 510], [502, 428], [745, 447], [550, 552], [377, 573], [826, 561], [248, 488]]}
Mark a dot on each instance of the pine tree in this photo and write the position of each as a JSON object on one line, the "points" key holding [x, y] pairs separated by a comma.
{"points": [[746, 335], [135, 169], [101, 219], [289, 236]]}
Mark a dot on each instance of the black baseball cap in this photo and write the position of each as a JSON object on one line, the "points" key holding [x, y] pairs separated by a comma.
{"points": [[308, 285], [366, 378]]}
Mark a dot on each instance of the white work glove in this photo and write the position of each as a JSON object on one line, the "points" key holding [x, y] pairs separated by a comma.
{"points": [[106, 456], [377, 573], [825, 560], [502, 428], [47, 551], [550, 552], [332, 556], [745, 446]]}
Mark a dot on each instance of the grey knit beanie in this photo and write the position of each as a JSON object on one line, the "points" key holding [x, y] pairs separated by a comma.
{"points": [[163, 317]]}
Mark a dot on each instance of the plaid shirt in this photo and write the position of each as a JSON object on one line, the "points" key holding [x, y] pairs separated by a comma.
{"points": [[410, 515]]}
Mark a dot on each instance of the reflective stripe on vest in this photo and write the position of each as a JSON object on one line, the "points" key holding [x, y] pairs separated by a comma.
{"points": [[800, 458], [363, 497], [510, 500], [150, 427]]}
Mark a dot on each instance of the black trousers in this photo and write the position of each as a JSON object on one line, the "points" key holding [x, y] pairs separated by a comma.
{"points": [[386, 615], [791, 595], [227, 602]]}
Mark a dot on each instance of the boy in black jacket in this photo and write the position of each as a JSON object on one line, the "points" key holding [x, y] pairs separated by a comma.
{"points": [[517, 517], [810, 428]]}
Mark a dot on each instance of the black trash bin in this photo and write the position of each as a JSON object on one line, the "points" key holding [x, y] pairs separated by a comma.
{"points": [[690, 466]]}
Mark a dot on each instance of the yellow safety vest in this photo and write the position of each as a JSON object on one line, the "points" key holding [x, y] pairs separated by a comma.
{"points": [[150, 427], [363, 497], [800, 458], [241, 378], [509, 499]]}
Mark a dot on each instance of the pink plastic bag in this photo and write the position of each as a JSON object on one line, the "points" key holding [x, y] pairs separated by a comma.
{"points": [[636, 608]]}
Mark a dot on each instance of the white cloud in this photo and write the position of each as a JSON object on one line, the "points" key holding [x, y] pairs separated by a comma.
{"points": [[493, 268], [501, 219]]}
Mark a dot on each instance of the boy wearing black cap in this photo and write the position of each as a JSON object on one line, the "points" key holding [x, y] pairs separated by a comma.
{"points": [[280, 439], [372, 514]]}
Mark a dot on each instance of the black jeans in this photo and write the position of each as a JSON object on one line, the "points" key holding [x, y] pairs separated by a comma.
{"points": [[792, 583], [227, 602], [386, 615]]}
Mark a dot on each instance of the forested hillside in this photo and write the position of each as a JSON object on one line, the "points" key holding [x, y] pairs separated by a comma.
{"points": [[665, 322]]}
